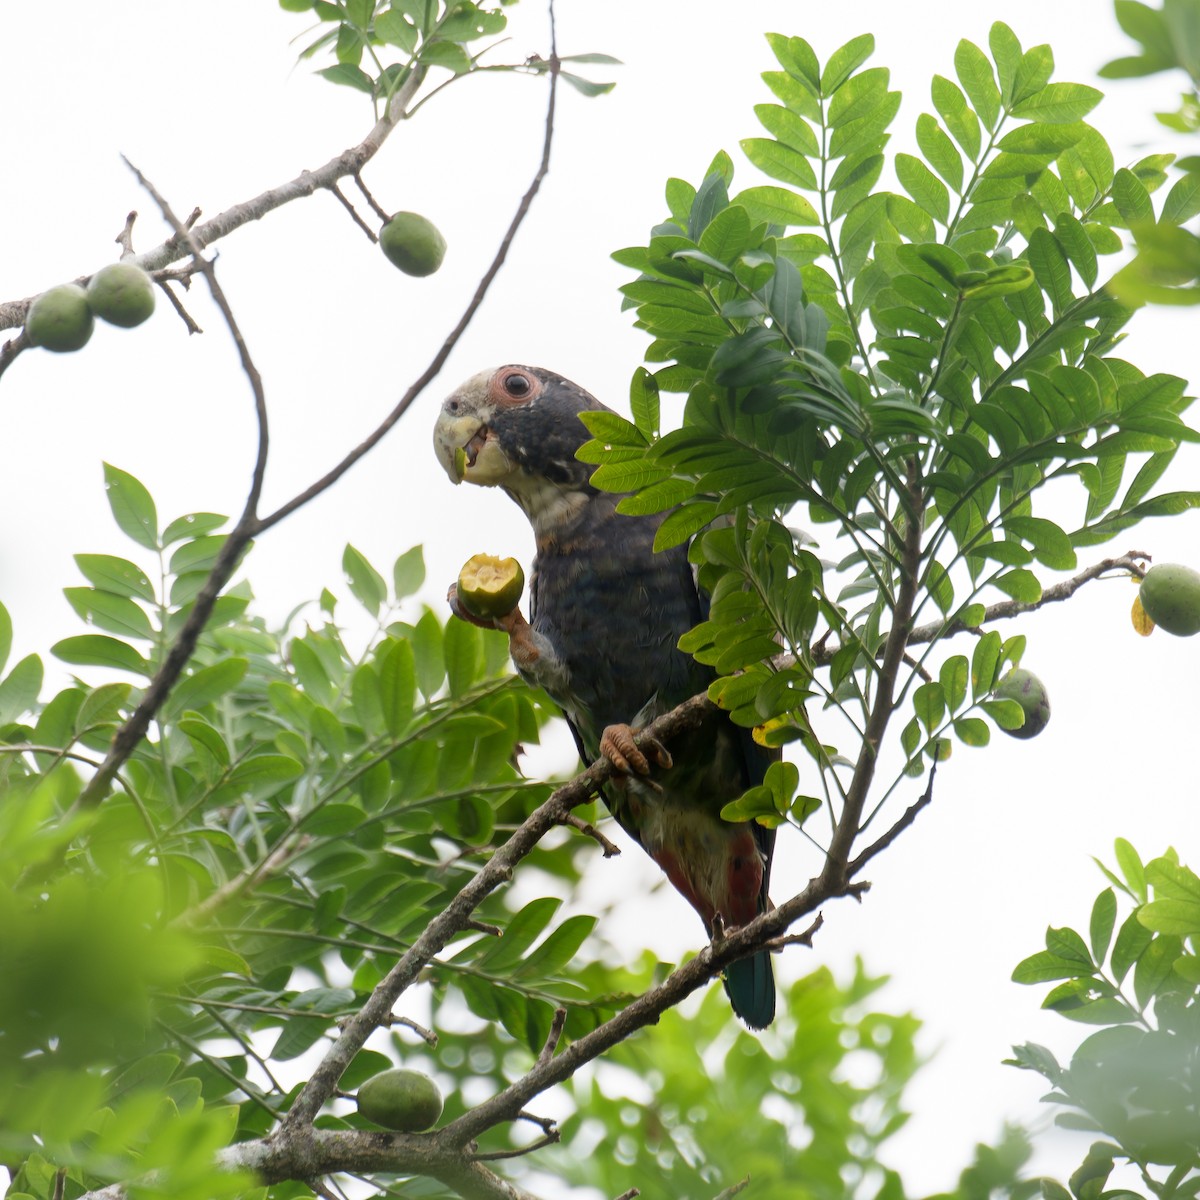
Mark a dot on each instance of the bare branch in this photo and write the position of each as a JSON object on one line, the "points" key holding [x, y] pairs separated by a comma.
{"points": [[124, 239], [425, 378], [484, 927], [341, 198], [547, 1139], [609, 849], [730, 1192], [908, 817], [348, 163], [552, 1038], [134, 728]]}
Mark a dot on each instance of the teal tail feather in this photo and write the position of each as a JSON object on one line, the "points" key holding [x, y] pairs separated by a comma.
{"points": [[750, 984]]}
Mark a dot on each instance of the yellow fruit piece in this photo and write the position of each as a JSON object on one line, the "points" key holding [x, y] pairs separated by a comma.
{"points": [[1170, 596], [413, 243], [1141, 619], [489, 586], [60, 319], [403, 1100], [460, 464], [121, 294]]}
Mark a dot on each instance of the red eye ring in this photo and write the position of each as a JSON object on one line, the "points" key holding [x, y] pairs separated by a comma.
{"points": [[514, 385]]}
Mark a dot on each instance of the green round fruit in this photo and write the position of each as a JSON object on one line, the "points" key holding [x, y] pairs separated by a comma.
{"points": [[1030, 693], [405, 1101], [412, 243], [489, 586], [121, 294], [1170, 594], [60, 319]]}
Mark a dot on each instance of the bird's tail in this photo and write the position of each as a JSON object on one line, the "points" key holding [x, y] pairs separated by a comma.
{"points": [[750, 984]]}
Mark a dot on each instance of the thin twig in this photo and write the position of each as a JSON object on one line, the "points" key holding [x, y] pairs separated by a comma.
{"points": [[484, 927], [553, 1037], [124, 239], [337, 191], [609, 849], [439, 359], [134, 729], [548, 1139], [908, 817]]}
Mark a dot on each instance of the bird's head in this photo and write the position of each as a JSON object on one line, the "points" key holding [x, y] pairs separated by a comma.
{"points": [[518, 428]]}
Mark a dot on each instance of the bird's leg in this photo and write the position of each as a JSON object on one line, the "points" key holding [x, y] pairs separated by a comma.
{"points": [[618, 746], [532, 655]]}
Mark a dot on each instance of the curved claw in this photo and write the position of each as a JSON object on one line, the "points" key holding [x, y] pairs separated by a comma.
{"points": [[618, 746]]}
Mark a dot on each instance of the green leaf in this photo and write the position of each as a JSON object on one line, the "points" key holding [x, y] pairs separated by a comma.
{"points": [[1044, 967], [1021, 585], [923, 186], [985, 663], [398, 683], [939, 151], [349, 75], [1059, 103], [1131, 867], [780, 162], [117, 575], [953, 678], [1132, 939], [208, 684], [972, 731], [975, 74], [107, 611], [685, 521], [844, 61], [960, 121], [408, 573], [1131, 198], [1104, 915], [395, 29], [264, 773], [519, 934], [777, 206], [19, 691], [6, 632], [132, 507], [557, 950], [97, 650], [365, 582], [643, 403], [192, 525]]}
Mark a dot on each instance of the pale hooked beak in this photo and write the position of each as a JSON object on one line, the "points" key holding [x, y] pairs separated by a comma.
{"points": [[467, 449]]}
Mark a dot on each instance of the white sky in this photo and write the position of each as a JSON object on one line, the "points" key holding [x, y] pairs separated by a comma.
{"points": [[213, 111]]}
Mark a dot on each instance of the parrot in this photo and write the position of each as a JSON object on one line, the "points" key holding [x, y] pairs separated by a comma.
{"points": [[605, 615]]}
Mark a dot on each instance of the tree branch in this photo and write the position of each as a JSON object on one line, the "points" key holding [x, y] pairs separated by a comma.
{"points": [[349, 163], [250, 525]]}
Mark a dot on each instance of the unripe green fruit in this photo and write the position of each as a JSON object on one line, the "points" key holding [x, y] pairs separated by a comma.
{"points": [[1030, 693], [121, 294], [405, 1101], [490, 586], [1170, 594], [412, 243], [60, 319]]}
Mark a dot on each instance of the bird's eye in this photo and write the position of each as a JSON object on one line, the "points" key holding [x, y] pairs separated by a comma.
{"points": [[516, 385], [453, 406]]}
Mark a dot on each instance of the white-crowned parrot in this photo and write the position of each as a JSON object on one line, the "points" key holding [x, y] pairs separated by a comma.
{"points": [[605, 615]]}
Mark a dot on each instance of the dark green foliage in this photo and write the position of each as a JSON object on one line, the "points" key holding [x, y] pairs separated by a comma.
{"points": [[1135, 1081], [935, 357], [380, 45]]}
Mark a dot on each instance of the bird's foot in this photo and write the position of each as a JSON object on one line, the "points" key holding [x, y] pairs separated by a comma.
{"points": [[522, 644], [618, 746]]}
